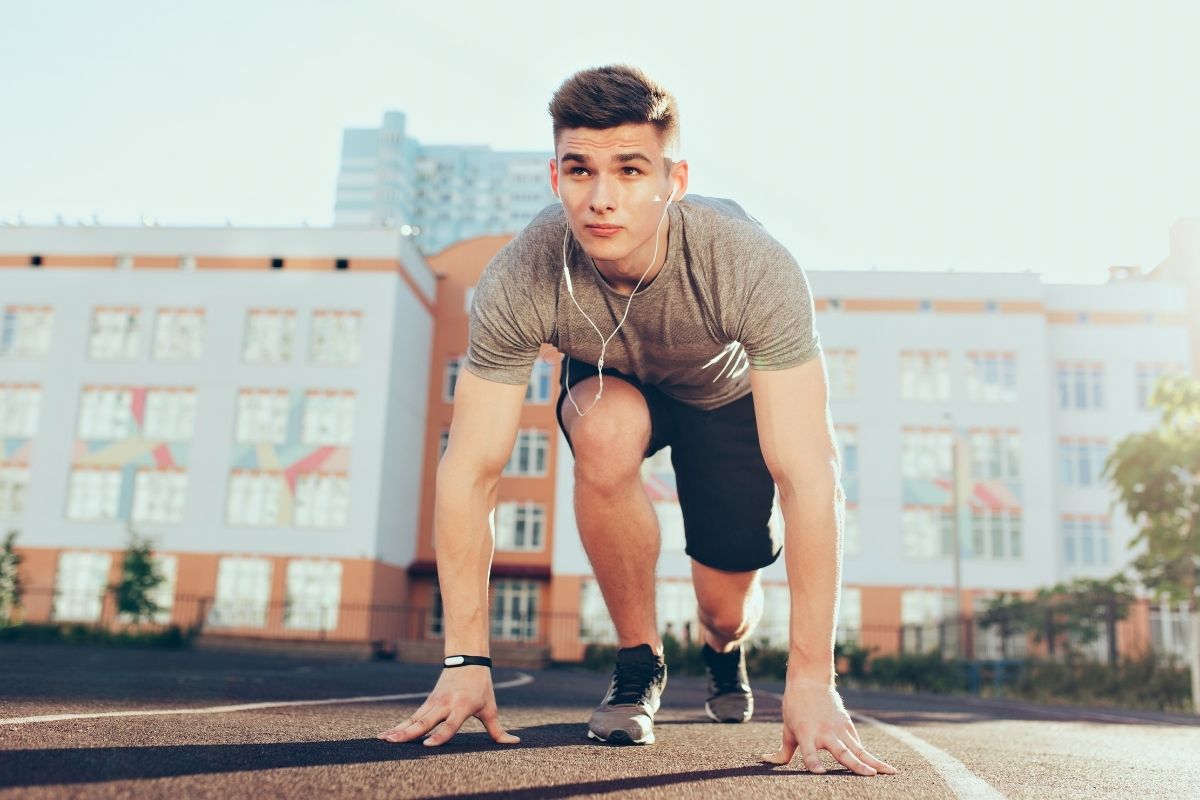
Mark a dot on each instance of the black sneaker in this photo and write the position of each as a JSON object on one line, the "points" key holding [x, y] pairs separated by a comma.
{"points": [[626, 714], [729, 695]]}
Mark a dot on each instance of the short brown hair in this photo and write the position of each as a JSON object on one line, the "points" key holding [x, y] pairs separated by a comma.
{"points": [[605, 97]]}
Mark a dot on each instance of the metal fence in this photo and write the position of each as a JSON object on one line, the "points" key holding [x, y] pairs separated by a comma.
{"points": [[564, 637]]}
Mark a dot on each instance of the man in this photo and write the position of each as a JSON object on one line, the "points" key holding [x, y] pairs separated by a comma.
{"points": [[682, 323]]}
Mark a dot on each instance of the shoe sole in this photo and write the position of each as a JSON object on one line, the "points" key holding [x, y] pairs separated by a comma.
{"points": [[621, 737]]}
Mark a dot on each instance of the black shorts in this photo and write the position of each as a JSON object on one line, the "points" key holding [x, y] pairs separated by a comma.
{"points": [[725, 490]]}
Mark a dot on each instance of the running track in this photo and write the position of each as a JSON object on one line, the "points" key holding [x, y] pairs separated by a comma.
{"points": [[101, 722]]}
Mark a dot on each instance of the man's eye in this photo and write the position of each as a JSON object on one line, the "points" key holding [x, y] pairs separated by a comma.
{"points": [[631, 171], [577, 171]]}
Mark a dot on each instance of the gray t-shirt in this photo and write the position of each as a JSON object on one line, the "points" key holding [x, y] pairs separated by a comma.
{"points": [[728, 298]]}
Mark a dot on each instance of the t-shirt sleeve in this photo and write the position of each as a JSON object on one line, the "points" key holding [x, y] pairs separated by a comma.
{"points": [[506, 328], [778, 328]]}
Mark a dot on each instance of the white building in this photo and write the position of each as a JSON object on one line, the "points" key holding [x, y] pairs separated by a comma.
{"points": [[447, 193]]}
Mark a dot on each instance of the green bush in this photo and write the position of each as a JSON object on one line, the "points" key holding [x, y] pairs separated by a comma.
{"points": [[172, 637], [927, 672]]}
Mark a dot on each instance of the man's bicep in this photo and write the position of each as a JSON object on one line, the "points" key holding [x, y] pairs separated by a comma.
{"points": [[484, 427]]}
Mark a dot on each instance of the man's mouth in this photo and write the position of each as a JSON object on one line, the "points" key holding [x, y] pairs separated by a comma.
{"points": [[603, 230]]}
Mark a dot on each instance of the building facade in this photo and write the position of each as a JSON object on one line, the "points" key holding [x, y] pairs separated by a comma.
{"points": [[326, 394], [237, 395], [439, 193]]}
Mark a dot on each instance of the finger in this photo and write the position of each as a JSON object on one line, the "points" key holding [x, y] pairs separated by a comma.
{"points": [[490, 717], [865, 755], [417, 715], [845, 755], [445, 730], [418, 726], [784, 754]]}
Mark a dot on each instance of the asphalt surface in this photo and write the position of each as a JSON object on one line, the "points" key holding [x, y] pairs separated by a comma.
{"points": [[943, 747]]}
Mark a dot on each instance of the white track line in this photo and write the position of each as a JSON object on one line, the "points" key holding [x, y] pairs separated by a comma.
{"points": [[964, 783], [521, 680]]}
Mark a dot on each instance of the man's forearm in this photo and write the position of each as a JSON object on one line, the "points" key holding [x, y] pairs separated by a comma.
{"points": [[812, 517], [464, 544]]}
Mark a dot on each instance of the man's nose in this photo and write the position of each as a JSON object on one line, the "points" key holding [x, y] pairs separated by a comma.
{"points": [[603, 197]]}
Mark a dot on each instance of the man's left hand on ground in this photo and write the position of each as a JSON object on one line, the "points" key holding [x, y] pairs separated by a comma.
{"points": [[814, 719]]}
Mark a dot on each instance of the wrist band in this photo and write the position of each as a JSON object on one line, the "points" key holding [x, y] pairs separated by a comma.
{"points": [[467, 661]]}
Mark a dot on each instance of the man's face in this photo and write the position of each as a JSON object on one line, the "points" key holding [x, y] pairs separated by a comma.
{"points": [[614, 184]]}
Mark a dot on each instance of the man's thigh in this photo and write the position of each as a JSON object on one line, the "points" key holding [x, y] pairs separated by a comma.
{"points": [[726, 492]]}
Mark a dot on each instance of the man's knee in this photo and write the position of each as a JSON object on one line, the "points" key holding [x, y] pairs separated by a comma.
{"points": [[609, 441], [731, 623]]}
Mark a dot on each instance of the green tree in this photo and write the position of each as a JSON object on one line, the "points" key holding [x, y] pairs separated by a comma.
{"points": [[1012, 615], [140, 576], [1157, 476], [10, 580]]}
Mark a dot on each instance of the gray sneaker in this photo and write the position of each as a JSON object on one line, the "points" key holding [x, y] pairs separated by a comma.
{"points": [[729, 695], [626, 714]]}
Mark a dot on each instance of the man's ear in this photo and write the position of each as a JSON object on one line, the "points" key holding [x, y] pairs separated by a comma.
{"points": [[554, 178], [679, 179]]}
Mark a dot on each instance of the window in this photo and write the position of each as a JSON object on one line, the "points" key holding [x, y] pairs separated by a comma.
{"points": [[106, 413], [996, 534], [443, 442], [849, 621], [26, 331], [436, 619], [79, 586], [262, 416], [179, 334], [336, 337], [269, 335], [19, 407], [529, 455], [256, 498], [926, 453], [842, 366], [328, 417], [520, 526], [847, 437], [1080, 385], [14, 483], [514, 609], [322, 499], [992, 377], [115, 335], [94, 494], [170, 414], [923, 606], [450, 378], [538, 390], [314, 590], [927, 531], [243, 593], [925, 375], [1081, 461], [159, 495], [1087, 541], [995, 454], [851, 543], [163, 595], [1147, 376]]}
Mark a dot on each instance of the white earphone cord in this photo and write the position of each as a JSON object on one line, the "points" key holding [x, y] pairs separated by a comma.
{"points": [[604, 342]]}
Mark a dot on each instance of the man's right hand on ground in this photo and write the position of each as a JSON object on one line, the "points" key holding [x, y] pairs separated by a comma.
{"points": [[460, 693]]}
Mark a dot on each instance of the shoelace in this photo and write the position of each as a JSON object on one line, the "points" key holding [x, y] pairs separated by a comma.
{"points": [[632, 680], [725, 670]]}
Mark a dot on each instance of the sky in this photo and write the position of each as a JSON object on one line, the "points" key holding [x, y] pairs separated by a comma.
{"points": [[1054, 137]]}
